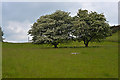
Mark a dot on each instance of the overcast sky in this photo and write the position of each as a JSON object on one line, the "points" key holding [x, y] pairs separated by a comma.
{"points": [[18, 16]]}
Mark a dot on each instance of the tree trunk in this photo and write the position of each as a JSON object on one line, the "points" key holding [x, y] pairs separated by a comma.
{"points": [[86, 45], [55, 46]]}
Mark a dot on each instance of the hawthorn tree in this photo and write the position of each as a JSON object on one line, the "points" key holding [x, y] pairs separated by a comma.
{"points": [[90, 26], [1, 34], [52, 29]]}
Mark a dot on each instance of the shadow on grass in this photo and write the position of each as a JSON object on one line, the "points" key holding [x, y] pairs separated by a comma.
{"points": [[72, 47], [79, 47]]}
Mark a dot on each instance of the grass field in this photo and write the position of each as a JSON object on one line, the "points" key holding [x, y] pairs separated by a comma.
{"points": [[26, 60]]}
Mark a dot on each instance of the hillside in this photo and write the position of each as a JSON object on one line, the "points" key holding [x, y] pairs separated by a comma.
{"points": [[114, 37]]}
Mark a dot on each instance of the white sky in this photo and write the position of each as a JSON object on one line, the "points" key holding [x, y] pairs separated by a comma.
{"points": [[60, 0]]}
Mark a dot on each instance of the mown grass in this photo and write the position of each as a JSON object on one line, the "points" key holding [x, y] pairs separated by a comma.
{"points": [[26, 60]]}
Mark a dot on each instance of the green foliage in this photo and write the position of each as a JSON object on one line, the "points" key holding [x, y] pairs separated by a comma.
{"points": [[1, 34], [51, 29], [90, 26], [59, 27]]}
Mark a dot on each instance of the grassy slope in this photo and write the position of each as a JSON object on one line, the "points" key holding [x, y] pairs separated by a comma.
{"points": [[114, 37], [100, 60]]}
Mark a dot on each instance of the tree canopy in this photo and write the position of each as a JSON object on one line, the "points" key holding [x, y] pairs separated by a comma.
{"points": [[60, 27], [52, 29], [1, 34], [90, 26]]}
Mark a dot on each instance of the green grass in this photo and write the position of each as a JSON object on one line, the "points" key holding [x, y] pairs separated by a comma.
{"points": [[25, 60], [114, 37]]}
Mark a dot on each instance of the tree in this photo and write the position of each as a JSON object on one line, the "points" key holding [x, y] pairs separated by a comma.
{"points": [[52, 29], [90, 26], [1, 34]]}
